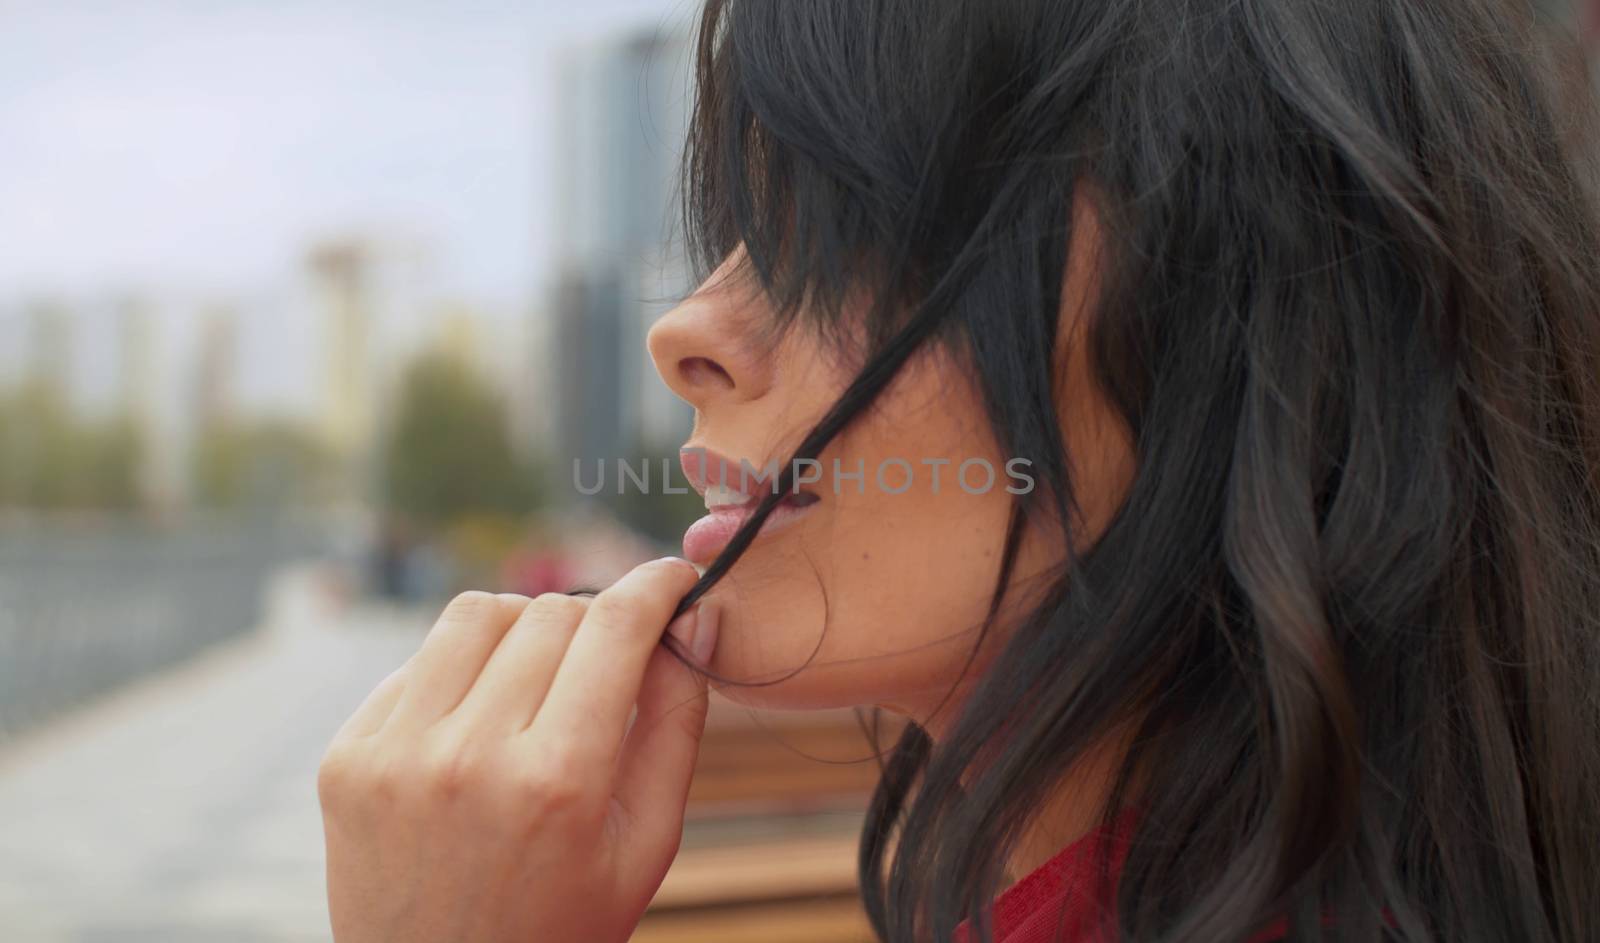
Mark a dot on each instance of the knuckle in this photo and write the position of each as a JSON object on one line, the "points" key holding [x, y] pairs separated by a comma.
{"points": [[617, 606], [549, 789], [349, 776], [648, 583], [334, 774], [512, 602], [558, 607], [469, 606], [451, 771], [385, 782]]}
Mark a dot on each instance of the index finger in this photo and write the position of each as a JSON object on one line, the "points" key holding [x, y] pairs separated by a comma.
{"points": [[597, 684]]}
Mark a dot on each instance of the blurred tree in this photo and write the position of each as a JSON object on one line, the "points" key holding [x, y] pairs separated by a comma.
{"points": [[449, 456], [53, 460], [263, 464], [109, 473]]}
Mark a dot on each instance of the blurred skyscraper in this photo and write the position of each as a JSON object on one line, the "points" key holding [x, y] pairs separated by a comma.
{"points": [[143, 398], [342, 275], [623, 113], [371, 293], [135, 397], [216, 363]]}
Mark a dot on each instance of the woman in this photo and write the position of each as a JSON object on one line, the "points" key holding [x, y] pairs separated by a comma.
{"points": [[1274, 319]]}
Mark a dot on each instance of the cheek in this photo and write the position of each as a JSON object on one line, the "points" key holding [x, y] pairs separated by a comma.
{"points": [[879, 598], [878, 610]]}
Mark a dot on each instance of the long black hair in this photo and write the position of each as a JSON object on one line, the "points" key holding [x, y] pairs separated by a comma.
{"points": [[1348, 615]]}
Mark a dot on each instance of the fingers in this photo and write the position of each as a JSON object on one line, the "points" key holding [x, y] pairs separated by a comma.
{"points": [[658, 757], [372, 713], [589, 702], [513, 684], [453, 655]]}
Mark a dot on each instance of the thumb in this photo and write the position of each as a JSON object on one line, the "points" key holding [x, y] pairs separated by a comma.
{"points": [[659, 754]]}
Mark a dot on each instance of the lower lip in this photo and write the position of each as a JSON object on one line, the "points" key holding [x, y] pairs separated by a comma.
{"points": [[707, 537]]}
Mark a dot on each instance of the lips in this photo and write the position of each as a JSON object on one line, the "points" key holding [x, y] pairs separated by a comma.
{"points": [[728, 506]]}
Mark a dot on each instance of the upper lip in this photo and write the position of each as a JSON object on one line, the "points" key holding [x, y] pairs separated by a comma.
{"points": [[705, 467]]}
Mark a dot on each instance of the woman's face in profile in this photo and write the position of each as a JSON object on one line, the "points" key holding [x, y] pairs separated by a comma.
{"points": [[871, 590]]}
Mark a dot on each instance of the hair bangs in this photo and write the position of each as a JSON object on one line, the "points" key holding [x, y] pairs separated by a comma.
{"points": [[764, 177]]}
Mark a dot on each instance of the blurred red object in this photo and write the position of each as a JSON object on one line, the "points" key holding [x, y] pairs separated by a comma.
{"points": [[539, 571]]}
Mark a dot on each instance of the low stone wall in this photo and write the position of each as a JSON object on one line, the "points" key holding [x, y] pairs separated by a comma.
{"points": [[88, 605]]}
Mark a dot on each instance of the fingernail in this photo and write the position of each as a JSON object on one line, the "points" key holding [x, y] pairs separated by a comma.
{"points": [[705, 631], [679, 560], [696, 631], [683, 628]]}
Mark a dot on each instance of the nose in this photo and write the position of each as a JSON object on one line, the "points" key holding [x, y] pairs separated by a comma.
{"points": [[703, 348]]}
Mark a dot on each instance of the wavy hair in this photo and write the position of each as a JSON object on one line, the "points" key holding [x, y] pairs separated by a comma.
{"points": [[1349, 611]]}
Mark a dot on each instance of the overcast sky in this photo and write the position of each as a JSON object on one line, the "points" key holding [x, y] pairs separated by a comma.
{"points": [[191, 151], [199, 144]]}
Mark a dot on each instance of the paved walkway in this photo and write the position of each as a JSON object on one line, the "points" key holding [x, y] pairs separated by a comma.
{"points": [[184, 809]]}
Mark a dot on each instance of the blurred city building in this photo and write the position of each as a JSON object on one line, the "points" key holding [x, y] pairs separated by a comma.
{"points": [[364, 291], [138, 399], [216, 365], [341, 274], [624, 110]]}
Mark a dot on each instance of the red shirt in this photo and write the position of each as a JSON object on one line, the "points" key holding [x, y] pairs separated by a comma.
{"points": [[1069, 890]]}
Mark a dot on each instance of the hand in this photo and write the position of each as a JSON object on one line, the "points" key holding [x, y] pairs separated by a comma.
{"points": [[492, 791]]}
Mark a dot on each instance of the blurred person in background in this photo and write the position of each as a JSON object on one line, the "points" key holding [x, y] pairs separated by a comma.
{"points": [[1290, 308]]}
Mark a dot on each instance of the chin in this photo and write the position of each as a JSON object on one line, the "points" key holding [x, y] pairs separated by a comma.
{"points": [[797, 643], [802, 692], [772, 621], [835, 678], [783, 683]]}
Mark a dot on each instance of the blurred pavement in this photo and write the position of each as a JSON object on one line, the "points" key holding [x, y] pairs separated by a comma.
{"points": [[184, 809]]}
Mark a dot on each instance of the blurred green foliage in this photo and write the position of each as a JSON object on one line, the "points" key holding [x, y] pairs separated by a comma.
{"points": [[52, 459], [448, 457], [260, 464]]}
